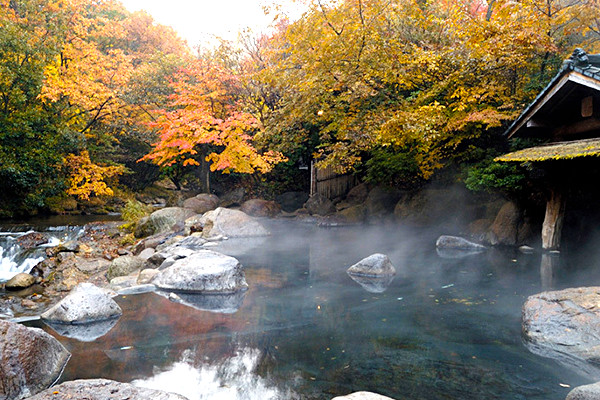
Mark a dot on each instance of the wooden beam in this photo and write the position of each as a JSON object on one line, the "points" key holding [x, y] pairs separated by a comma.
{"points": [[553, 221], [537, 123], [587, 106], [583, 126]]}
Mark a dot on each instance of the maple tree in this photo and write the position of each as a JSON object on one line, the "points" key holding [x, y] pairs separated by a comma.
{"points": [[203, 111], [88, 179]]}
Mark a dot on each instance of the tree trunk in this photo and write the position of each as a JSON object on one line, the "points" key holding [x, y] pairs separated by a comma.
{"points": [[553, 221]]}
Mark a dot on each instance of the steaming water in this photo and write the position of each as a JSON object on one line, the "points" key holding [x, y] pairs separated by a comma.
{"points": [[443, 328]]}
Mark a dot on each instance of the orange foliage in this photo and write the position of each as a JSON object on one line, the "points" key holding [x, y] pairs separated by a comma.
{"points": [[204, 111]]}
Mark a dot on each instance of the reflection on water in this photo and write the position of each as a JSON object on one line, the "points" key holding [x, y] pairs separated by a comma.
{"points": [[444, 328], [234, 378]]}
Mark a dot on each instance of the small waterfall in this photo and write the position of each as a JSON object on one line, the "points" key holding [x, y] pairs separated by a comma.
{"points": [[233, 379], [14, 259]]}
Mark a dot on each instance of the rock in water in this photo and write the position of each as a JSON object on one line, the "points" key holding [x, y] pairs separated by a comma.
{"points": [[457, 243], [230, 223], [162, 221], [564, 325], [376, 265], [205, 271], [103, 389], [20, 281], [30, 360], [86, 303], [362, 396], [261, 208], [586, 392]]}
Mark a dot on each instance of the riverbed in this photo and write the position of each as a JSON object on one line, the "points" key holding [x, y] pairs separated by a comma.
{"points": [[446, 327]]}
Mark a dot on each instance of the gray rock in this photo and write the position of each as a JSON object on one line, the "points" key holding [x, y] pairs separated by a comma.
{"points": [[146, 253], [123, 282], [376, 265], [358, 194], [86, 303], [260, 208], [30, 360], [122, 266], [564, 325], [224, 222], [457, 243], [381, 201], [162, 220], [232, 198], [86, 265], [200, 205], [205, 271], [526, 249], [71, 246], [103, 389], [20, 281], [84, 332], [318, 204], [362, 396], [146, 276], [586, 392], [291, 201]]}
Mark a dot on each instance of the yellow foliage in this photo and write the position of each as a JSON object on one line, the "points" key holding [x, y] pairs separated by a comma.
{"points": [[86, 178]]}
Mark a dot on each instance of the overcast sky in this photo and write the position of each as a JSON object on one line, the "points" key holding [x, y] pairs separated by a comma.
{"points": [[200, 21]]}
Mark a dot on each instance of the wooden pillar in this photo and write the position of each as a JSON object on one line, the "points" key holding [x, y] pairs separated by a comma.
{"points": [[553, 221]]}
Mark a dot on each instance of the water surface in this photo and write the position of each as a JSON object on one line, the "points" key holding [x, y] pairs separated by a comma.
{"points": [[445, 328]]}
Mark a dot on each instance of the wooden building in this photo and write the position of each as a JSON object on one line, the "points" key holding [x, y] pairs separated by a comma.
{"points": [[566, 116]]}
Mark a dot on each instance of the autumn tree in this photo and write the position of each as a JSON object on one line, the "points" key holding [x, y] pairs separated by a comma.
{"points": [[204, 123]]}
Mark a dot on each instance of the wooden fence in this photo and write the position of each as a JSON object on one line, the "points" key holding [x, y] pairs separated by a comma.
{"points": [[328, 183]]}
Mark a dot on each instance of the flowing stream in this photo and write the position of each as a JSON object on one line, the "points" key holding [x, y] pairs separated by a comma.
{"points": [[445, 327]]}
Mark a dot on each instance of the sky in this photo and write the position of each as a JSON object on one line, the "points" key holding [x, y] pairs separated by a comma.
{"points": [[201, 21]]}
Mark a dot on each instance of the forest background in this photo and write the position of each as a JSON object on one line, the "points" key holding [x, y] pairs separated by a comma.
{"points": [[97, 101]]}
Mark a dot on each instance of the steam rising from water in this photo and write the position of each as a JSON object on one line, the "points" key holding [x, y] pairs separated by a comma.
{"points": [[233, 379]]}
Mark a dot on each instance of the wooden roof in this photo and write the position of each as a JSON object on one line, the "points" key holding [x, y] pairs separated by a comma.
{"points": [[556, 151], [559, 102]]}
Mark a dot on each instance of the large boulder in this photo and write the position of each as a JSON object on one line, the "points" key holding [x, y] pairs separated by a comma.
{"points": [[86, 303], [362, 396], [564, 325], [202, 203], [232, 198], [358, 194], [103, 389], [291, 201], [376, 265], [162, 220], [224, 222], [205, 271], [585, 392], [381, 201], [353, 214], [505, 228], [318, 204], [457, 243], [124, 265], [30, 360], [260, 208]]}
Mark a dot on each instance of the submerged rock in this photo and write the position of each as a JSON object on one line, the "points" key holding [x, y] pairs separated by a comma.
{"points": [[30, 360], [224, 222], [457, 243], [204, 271], [103, 389], [362, 396], [376, 265], [564, 325], [585, 392], [86, 303]]}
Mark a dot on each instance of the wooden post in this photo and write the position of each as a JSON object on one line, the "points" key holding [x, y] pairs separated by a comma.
{"points": [[553, 221]]}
